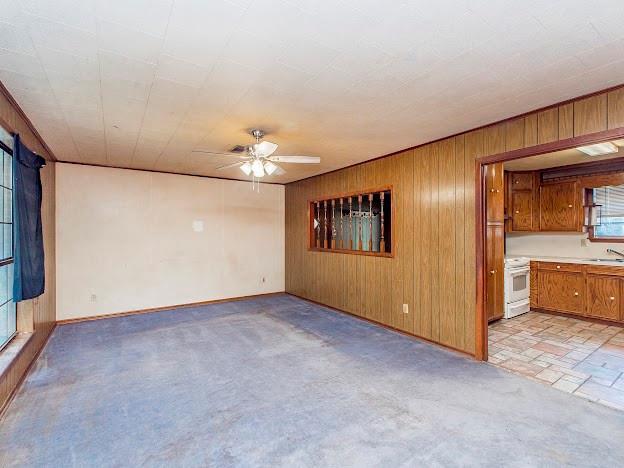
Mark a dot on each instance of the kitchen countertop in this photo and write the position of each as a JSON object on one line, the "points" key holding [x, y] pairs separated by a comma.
{"points": [[582, 261]]}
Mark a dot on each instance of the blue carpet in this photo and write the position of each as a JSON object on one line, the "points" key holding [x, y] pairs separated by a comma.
{"points": [[277, 381]]}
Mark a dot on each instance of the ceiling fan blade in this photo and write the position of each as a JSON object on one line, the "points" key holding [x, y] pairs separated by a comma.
{"points": [[296, 159], [264, 149], [228, 166], [241, 155]]}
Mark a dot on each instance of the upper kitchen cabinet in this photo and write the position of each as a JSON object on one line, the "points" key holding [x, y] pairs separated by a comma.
{"points": [[533, 205], [560, 206], [522, 203], [495, 193]]}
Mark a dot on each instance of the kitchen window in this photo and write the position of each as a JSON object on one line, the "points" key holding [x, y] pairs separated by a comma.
{"points": [[610, 213], [7, 306]]}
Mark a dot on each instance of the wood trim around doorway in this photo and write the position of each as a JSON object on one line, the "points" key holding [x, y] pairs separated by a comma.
{"points": [[481, 326]]}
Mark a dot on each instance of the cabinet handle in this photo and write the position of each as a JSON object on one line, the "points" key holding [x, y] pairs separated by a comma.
{"points": [[517, 211], [612, 298], [558, 267], [569, 206], [517, 182], [492, 190], [575, 293], [492, 272]]}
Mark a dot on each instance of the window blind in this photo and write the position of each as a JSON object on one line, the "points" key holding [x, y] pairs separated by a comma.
{"points": [[612, 211]]}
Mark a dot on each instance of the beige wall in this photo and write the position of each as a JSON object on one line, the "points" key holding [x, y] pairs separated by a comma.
{"points": [[129, 240], [573, 245]]}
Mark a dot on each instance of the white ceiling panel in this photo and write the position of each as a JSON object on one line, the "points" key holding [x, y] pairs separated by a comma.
{"points": [[141, 83], [128, 42], [148, 16]]}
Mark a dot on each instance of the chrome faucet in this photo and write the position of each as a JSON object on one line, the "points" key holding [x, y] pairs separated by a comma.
{"points": [[616, 252]]}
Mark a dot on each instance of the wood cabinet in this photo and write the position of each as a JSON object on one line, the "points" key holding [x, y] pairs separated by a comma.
{"points": [[533, 286], [495, 191], [522, 180], [495, 240], [495, 263], [522, 210], [561, 291], [586, 290], [522, 201], [532, 205], [560, 205], [603, 296]]}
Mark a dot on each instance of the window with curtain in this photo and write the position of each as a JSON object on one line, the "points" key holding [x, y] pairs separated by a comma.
{"points": [[7, 306], [611, 199]]}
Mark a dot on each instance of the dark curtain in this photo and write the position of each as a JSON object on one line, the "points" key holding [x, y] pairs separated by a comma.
{"points": [[29, 271]]}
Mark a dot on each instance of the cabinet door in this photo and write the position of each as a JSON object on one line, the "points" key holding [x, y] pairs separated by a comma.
{"points": [[533, 286], [603, 296], [560, 207], [495, 279], [522, 210], [494, 196], [561, 291], [522, 181]]}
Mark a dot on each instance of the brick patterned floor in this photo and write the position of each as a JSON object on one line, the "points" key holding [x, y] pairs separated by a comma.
{"points": [[575, 356]]}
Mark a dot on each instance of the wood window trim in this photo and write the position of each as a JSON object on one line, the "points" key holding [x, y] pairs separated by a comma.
{"points": [[311, 237]]}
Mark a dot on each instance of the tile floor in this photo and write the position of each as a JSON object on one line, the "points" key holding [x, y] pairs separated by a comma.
{"points": [[575, 356]]}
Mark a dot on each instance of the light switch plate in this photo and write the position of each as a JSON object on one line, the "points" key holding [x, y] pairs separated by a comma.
{"points": [[405, 309], [198, 225]]}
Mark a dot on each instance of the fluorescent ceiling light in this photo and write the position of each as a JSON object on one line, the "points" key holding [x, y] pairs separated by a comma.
{"points": [[256, 167], [599, 149], [246, 168]]}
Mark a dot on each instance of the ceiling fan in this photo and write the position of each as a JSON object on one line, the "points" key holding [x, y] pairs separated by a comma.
{"points": [[258, 160]]}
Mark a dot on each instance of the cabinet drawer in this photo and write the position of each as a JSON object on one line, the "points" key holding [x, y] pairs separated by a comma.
{"points": [[522, 181], [571, 267], [561, 291]]}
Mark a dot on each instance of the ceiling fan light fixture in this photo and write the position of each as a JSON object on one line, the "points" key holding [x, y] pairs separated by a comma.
{"points": [[246, 168], [257, 168], [269, 167]]}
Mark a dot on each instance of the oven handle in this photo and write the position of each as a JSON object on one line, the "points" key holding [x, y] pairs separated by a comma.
{"points": [[519, 271]]}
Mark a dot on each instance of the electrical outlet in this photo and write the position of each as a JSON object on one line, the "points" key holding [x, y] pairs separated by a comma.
{"points": [[405, 309]]}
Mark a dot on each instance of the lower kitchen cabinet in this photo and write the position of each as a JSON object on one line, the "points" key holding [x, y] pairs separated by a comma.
{"points": [[584, 290], [603, 296], [561, 291]]}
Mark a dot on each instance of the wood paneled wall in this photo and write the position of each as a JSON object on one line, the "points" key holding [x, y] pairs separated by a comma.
{"points": [[434, 268], [38, 315]]}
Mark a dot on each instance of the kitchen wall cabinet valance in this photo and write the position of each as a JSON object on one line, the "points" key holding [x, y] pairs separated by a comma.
{"points": [[354, 223]]}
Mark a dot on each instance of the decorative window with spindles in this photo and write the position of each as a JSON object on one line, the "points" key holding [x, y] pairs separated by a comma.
{"points": [[353, 223]]}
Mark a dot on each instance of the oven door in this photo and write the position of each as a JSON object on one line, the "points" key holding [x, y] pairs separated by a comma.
{"points": [[517, 284]]}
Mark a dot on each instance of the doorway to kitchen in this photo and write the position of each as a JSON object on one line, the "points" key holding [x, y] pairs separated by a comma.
{"points": [[551, 265]]}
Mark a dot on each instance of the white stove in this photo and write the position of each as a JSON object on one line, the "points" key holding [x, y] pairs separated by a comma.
{"points": [[517, 286]]}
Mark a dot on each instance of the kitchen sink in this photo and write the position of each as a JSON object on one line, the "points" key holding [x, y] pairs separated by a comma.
{"points": [[619, 260]]}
